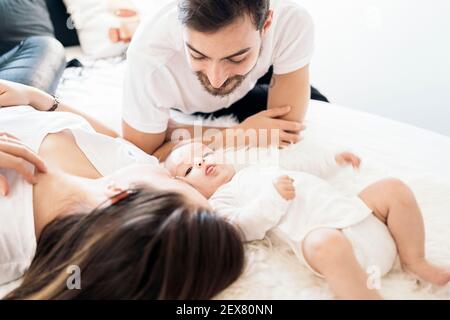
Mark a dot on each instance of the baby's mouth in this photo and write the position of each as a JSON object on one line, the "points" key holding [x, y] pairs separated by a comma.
{"points": [[210, 169]]}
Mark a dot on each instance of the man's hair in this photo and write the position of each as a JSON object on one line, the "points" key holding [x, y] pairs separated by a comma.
{"points": [[212, 15]]}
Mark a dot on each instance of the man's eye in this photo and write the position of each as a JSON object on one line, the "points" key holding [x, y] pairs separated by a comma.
{"points": [[237, 61], [197, 58], [188, 171]]}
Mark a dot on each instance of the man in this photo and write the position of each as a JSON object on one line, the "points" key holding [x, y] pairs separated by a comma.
{"points": [[216, 57]]}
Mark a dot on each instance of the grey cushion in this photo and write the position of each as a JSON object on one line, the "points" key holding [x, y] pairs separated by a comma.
{"points": [[20, 19]]}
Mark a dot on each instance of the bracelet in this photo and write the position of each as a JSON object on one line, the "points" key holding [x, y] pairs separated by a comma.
{"points": [[56, 103]]}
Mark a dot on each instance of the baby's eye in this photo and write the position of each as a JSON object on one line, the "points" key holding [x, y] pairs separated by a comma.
{"points": [[188, 171], [208, 154]]}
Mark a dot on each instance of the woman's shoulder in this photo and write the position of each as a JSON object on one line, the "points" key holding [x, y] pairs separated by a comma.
{"points": [[17, 234]]}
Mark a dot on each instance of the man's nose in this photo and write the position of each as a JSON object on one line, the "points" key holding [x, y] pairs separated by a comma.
{"points": [[217, 75]]}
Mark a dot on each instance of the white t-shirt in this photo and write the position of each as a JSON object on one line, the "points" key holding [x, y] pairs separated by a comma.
{"points": [[159, 76]]}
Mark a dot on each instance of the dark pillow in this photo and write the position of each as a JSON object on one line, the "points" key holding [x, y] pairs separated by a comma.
{"points": [[20, 19], [59, 16]]}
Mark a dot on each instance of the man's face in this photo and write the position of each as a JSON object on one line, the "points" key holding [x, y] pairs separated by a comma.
{"points": [[223, 59]]}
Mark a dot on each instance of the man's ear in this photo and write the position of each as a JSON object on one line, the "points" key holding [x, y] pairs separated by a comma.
{"points": [[267, 23]]}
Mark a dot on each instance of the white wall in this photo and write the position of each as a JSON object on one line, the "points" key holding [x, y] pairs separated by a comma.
{"points": [[390, 57]]}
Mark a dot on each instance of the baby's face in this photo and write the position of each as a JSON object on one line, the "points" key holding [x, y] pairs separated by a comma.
{"points": [[155, 177], [198, 165]]}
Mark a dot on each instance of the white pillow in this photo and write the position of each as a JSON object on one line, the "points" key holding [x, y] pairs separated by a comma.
{"points": [[147, 7], [92, 20]]}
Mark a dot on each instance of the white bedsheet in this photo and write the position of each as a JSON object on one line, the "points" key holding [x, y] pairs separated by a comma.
{"points": [[388, 148]]}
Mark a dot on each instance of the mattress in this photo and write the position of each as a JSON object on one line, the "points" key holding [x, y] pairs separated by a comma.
{"points": [[388, 148]]}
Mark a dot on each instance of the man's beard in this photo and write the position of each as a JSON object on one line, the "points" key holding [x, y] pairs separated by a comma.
{"points": [[229, 86]]}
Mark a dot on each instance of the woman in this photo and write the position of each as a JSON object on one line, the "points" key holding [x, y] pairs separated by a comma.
{"points": [[103, 206]]}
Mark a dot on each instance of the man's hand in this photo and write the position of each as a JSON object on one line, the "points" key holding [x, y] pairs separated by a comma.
{"points": [[289, 131], [348, 158], [14, 155], [285, 187]]}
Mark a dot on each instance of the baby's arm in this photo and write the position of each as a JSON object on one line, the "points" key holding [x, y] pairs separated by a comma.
{"points": [[312, 157], [259, 215]]}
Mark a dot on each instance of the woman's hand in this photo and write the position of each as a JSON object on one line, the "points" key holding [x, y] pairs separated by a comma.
{"points": [[16, 156], [17, 94], [285, 187], [14, 94], [348, 158]]}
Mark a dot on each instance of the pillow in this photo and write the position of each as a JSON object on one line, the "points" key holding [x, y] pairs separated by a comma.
{"points": [[16, 22], [93, 20]]}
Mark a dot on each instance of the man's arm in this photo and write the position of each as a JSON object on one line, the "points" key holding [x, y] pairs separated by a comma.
{"points": [[292, 89], [148, 142], [214, 137], [237, 136]]}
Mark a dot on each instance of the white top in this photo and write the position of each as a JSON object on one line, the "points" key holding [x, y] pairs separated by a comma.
{"points": [[17, 233], [159, 76], [251, 201]]}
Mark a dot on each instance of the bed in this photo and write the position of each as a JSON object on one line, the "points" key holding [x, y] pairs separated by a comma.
{"points": [[388, 148]]}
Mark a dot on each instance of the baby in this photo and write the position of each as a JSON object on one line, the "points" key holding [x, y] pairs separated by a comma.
{"points": [[337, 237]]}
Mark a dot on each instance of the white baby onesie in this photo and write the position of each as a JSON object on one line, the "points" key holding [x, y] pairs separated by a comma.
{"points": [[251, 202]]}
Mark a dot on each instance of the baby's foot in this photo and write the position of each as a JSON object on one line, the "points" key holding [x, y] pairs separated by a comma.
{"points": [[429, 272]]}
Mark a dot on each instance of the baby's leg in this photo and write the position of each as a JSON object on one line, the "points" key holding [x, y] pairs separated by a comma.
{"points": [[330, 253], [394, 203]]}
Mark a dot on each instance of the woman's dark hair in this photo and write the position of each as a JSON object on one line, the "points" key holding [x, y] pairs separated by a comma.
{"points": [[149, 245], [212, 15]]}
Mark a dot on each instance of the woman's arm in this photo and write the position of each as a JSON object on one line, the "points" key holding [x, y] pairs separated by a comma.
{"points": [[43, 101], [16, 94]]}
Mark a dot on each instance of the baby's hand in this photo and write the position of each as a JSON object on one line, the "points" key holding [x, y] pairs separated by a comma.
{"points": [[285, 187], [348, 158]]}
